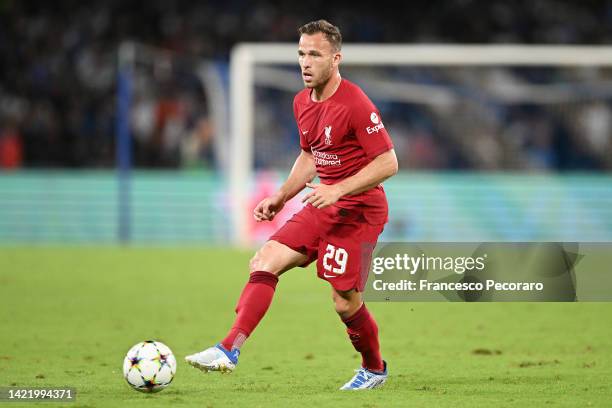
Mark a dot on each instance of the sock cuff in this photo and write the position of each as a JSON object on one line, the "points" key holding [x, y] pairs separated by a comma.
{"points": [[358, 318], [266, 278]]}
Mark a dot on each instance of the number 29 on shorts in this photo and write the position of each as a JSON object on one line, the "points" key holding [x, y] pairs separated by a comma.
{"points": [[340, 257]]}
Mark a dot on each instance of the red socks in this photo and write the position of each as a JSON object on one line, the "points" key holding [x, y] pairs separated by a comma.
{"points": [[255, 301], [363, 332], [251, 308]]}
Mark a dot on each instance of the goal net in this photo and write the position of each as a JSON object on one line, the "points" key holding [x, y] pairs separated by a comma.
{"points": [[476, 108]]}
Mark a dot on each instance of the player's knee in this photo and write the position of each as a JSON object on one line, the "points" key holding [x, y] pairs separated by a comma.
{"points": [[343, 306], [346, 303], [263, 260], [257, 263], [254, 262]]}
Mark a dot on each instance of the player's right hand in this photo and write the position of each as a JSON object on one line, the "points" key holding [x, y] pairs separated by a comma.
{"points": [[267, 208]]}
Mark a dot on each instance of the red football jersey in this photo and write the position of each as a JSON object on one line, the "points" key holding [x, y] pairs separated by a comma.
{"points": [[344, 133]]}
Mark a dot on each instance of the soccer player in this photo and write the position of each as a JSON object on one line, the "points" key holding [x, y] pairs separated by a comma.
{"points": [[345, 143]]}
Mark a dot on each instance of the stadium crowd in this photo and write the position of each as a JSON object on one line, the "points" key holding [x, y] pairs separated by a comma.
{"points": [[58, 79]]}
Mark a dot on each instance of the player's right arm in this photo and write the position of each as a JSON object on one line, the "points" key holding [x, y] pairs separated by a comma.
{"points": [[303, 171]]}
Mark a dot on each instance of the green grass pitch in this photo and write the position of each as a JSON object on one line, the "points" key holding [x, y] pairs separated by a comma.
{"points": [[69, 314]]}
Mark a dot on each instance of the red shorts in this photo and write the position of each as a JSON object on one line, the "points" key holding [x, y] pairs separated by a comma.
{"points": [[340, 240]]}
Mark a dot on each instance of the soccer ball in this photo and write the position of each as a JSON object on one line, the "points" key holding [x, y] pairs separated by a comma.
{"points": [[149, 366]]}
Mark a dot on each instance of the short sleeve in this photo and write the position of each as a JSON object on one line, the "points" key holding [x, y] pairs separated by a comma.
{"points": [[369, 128], [303, 142]]}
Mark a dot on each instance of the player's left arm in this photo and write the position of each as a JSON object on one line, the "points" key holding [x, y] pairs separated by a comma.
{"points": [[378, 170]]}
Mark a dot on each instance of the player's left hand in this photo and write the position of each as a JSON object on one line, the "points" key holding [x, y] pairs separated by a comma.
{"points": [[322, 195]]}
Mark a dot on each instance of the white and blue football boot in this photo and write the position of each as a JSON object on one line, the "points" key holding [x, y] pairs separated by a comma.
{"points": [[215, 358], [366, 379]]}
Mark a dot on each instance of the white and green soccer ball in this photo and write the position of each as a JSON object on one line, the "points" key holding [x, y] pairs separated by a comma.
{"points": [[149, 366]]}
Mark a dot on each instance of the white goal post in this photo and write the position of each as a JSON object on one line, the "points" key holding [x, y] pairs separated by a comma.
{"points": [[245, 56]]}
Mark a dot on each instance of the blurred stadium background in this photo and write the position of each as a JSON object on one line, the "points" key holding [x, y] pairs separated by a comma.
{"points": [[116, 120]]}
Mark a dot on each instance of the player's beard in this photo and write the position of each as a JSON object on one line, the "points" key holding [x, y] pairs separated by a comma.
{"points": [[320, 84]]}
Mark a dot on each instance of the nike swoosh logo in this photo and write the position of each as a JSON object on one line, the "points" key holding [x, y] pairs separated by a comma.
{"points": [[304, 132], [325, 275]]}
